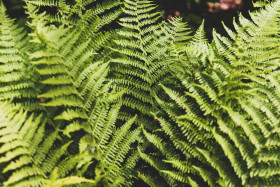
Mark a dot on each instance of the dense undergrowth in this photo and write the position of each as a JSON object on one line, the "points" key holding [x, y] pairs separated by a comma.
{"points": [[84, 102]]}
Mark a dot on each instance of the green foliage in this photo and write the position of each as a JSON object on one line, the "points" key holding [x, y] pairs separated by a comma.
{"points": [[83, 104], [137, 66], [17, 81], [230, 116], [72, 92], [30, 153]]}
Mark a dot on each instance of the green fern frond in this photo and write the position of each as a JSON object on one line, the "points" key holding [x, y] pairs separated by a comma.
{"points": [[207, 113], [140, 54], [27, 153], [16, 81], [112, 148], [198, 46], [234, 96]]}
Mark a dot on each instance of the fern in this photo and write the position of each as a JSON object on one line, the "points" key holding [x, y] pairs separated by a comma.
{"points": [[72, 89], [16, 80], [70, 12], [138, 66], [229, 110], [147, 103], [79, 89], [29, 154], [110, 147]]}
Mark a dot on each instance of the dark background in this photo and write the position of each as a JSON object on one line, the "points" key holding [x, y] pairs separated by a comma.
{"points": [[192, 11]]}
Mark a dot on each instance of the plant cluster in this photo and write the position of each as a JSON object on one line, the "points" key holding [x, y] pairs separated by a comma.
{"points": [[84, 102]]}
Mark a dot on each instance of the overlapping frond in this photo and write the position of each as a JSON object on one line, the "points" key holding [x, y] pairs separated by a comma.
{"points": [[230, 109], [75, 88], [17, 82], [30, 154], [69, 78], [136, 65], [153, 105], [91, 17], [76, 11], [141, 63], [110, 144], [75, 94]]}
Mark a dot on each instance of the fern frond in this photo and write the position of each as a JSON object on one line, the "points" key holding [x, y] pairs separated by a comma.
{"points": [[233, 96], [33, 156], [16, 81]]}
